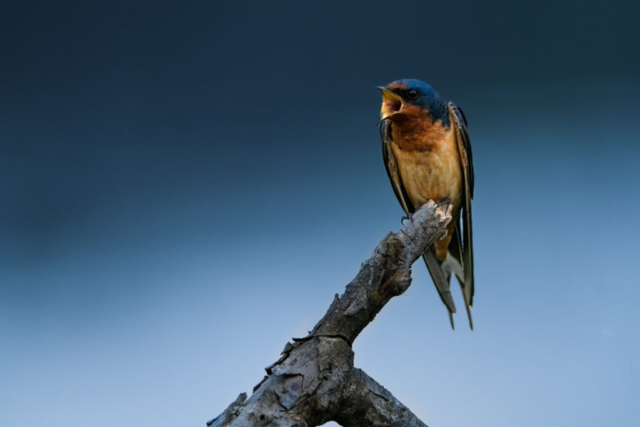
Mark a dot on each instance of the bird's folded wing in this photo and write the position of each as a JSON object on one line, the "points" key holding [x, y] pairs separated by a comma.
{"points": [[466, 158], [392, 169]]}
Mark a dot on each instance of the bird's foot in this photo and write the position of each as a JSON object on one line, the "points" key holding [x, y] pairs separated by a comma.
{"points": [[444, 202], [409, 217]]}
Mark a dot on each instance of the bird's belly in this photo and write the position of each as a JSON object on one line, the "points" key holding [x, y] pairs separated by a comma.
{"points": [[431, 175]]}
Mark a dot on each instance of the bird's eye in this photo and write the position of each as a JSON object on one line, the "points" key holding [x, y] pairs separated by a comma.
{"points": [[412, 94]]}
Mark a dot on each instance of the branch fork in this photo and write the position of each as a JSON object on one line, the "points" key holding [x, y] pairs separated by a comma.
{"points": [[314, 381]]}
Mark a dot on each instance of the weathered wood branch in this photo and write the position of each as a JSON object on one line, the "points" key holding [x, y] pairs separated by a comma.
{"points": [[315, 381], [367, 404]]}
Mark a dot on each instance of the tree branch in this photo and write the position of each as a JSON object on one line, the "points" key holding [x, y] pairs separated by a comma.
{"points": [[314, 381], [368, 404]]}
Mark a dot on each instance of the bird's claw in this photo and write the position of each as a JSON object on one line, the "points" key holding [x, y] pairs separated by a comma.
{"points": [[406, 218], [444, 202]]}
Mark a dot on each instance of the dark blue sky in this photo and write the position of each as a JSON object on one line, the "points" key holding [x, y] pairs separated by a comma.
{"points": [[185, 185]]}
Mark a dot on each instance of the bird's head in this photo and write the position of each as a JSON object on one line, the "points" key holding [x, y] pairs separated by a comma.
{"points": [[408, 98]]}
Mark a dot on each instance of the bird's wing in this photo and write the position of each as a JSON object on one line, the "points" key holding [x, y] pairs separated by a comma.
{"points": [[465, 235], [392, 169], [440, 278]]}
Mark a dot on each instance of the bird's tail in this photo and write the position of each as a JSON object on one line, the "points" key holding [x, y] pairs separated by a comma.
{"points": [[441, 279], [441, 272]]}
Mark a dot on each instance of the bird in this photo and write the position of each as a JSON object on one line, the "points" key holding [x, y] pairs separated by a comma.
{"points": [[427, 154]]}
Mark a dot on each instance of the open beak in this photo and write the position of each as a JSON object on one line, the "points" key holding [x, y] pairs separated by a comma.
{"points": [[391, 103]]}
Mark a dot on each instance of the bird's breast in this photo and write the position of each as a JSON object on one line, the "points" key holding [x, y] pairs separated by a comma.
{"points": [[430, 167]]}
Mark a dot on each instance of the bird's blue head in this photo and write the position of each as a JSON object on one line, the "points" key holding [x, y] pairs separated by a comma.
{"points": [[405, 95]]}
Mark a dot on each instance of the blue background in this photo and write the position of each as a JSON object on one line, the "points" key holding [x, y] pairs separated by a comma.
{"points": [[185, 185]]}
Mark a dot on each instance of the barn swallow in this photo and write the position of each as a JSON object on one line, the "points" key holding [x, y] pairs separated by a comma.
{"points": [[427, 154]]}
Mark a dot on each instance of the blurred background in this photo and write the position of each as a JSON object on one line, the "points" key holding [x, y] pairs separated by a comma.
{"points": [[184, 186]]}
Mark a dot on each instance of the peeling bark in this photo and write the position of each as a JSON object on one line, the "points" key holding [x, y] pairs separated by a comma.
{"points": [[314, 381]]}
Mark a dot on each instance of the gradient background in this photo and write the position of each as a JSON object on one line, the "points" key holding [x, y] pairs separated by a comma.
{"points": [[185, 185]]}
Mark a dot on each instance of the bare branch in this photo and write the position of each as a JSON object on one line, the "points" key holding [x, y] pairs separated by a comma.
{"points": [[314, 381], [368, 404]]}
